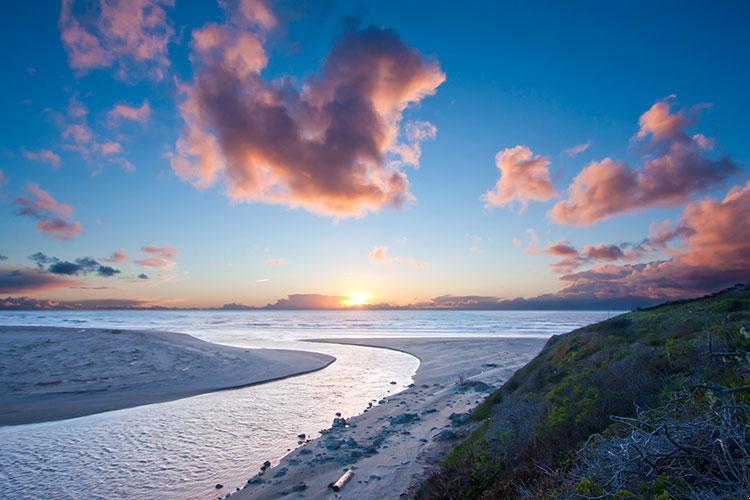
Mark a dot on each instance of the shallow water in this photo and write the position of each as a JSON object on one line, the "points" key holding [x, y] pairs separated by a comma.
{"points": [[181, 449]]}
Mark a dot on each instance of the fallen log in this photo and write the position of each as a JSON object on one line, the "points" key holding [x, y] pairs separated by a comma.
{"points": [[345, 477]]}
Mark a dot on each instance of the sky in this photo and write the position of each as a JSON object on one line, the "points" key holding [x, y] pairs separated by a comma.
{"points": [[328, 154]]}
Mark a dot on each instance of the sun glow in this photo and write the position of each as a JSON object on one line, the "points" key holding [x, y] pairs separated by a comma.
{"points": [[355, 299]]}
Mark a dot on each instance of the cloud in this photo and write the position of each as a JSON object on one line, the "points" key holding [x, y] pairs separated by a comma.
{"points": [[263, 280], [3, 257], [3, 178], [714, 254], [309, 301], [43, 155], [379, 254], [523, 178], [275, 262], [143, 276], [516, 242], [679, 168], [129, 35], [29, 280], [51, 215], [82, 140], [140, 114], [156, 262], [329, 146], [117, 257], [158, 257], [165, 252], [576, 150], [81, 266]]}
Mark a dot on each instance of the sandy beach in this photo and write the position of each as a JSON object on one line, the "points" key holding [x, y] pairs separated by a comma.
{"points": [[394, 444], [51, 373]]}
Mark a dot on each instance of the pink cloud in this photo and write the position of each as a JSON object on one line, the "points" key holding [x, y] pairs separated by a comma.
{"points": [[715, 253], [43, 155], [523, 178], [680, 169], [411, 261], [117, 256], [166, 252], [157, 262], [275, 262], [139, 114], [110, 148], [578, 149], [158, 257], [379, 254], [324, 146], [130, 35], [51, 215]]}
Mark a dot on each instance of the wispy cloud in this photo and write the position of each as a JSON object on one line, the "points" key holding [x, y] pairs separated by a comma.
{"points": [[576, 150], [44, 156], [51, 215]]}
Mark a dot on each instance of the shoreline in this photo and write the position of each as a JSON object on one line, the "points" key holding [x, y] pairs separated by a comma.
{"points": [[398, 440], [55, 373]]}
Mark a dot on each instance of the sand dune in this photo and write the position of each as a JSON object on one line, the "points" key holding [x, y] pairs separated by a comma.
{"points": [[55, 373]]}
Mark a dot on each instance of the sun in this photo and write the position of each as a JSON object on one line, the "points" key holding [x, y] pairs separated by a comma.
{"points": [[355, 299]]}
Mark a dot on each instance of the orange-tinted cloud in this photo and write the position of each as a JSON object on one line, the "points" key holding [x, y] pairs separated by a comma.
{"points": [[309, 301], [130, 35], [275, 262], [122, 111], [43, 155], [680, 168], [523, 178], [330, 147], [715, 253], [51, 215]]}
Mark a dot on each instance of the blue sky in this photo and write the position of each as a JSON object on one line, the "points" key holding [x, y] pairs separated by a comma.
{"points": [[549, 76]]}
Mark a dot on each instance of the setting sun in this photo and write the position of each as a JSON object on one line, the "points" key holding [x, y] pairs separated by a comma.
{"points": [[355, 299]]}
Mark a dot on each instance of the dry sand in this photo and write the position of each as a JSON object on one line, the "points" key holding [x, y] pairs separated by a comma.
{"points": [[396, 443], [51, 373]]}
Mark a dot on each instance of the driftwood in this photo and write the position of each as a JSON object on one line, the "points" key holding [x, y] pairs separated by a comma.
{"points": [[345, 477]]}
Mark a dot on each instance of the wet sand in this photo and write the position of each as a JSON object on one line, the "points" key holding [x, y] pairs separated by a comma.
{"points": [[394, 445]]}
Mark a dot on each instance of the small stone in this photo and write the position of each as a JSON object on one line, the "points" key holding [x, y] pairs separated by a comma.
{"points": [[219, 486], [393, 382], [299, 487]]}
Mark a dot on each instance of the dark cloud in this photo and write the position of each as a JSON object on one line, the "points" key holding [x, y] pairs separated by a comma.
{"points": [[28, 280], [82, 266], [3, 257], [143, 276]]}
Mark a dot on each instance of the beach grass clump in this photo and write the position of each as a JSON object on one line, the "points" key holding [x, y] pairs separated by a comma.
{"points": [[586, 383]]}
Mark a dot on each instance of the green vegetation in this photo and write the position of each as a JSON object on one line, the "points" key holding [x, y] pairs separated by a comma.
{"points": [[650, 384]]}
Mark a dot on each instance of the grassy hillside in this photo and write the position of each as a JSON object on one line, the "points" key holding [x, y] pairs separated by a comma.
{"points": [[659, 368]]}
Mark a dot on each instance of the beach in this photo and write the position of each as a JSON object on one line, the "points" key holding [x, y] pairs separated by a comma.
{"points": [[50, 373], [393, 445]]}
